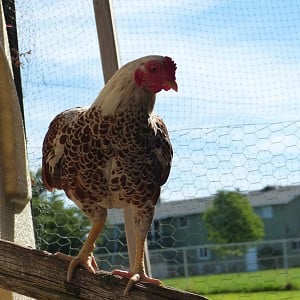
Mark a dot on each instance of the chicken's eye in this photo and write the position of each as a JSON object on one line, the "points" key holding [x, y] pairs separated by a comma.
{"points": [[153, 69]]}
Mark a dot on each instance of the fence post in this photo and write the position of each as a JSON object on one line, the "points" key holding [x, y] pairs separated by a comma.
{"points": [[284, 252], [110, 64], [185, 265]]}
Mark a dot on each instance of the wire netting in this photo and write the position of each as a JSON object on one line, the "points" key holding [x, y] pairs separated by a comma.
{"points": [[234, 123]]}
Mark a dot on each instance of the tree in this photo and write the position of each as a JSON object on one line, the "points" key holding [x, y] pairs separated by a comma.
{"points": [[57, 227], [231, 219]]}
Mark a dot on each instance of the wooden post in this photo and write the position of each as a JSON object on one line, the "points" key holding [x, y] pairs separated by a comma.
{"points": [[106, 37], [15, 186], [110, 64], [13, 158]]}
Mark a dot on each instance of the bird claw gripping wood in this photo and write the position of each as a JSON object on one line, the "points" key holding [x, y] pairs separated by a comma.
{"points": [[132, 281]]}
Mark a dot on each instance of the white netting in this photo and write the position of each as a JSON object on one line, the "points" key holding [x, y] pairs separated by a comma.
{"points": [[237, 76], [234, 123]]}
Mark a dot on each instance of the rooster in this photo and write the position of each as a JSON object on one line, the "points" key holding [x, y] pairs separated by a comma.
{"points": [[114, 154]]}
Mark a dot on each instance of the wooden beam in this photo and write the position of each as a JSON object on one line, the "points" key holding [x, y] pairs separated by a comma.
{"points": [[106, 37], [42, 275], [9, 10], [13, 158], [110, 64]]}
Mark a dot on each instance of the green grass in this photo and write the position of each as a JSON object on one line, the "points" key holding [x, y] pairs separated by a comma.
{"points": [[269, 285], [287, 295]]}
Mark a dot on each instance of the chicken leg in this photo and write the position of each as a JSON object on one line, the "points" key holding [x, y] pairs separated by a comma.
{"points": [[138, 273], [85, 256]]}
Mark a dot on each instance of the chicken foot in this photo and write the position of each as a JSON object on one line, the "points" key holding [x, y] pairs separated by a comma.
{"points": [[85, 256]]}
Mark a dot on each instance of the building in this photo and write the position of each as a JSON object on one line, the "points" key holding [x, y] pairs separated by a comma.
{"points": [[178, 236]]}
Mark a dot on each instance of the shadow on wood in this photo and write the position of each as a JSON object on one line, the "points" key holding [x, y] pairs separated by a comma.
{"points": [[42, 275]]}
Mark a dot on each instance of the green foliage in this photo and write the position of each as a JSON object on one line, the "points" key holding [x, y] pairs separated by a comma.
{"points": [[57, 227], [231, 219]]}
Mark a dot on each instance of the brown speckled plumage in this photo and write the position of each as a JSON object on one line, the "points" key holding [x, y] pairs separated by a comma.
{"points": [[107, 162], [111, 154]]}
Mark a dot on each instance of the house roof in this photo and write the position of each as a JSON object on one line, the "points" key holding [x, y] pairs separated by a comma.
{"points": [[165, 209]]}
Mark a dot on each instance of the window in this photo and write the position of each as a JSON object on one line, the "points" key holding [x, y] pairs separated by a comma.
{"points": [[265, 212], [183, 222], [296, 245], [203, 253]]}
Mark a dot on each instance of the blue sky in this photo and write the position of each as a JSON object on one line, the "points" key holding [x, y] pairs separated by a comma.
{"points": [[233, 123]]}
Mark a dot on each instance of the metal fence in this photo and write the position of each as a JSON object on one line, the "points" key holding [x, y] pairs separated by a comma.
{"points": [[234, 123], [205, 259]]}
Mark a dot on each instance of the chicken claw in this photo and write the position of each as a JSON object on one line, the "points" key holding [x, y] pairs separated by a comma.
{"points": [[135, 278], [88, 262]]}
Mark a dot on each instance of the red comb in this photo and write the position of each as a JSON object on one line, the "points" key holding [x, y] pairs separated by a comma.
{"points": [[170, 64]]}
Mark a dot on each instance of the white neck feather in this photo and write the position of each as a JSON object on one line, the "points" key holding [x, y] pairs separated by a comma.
{"points": [[121, 89], [120, 95], [108, 101]]}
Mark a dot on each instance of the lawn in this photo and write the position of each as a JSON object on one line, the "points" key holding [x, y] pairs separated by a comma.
{"points": [[286, 295], [269, 285]]}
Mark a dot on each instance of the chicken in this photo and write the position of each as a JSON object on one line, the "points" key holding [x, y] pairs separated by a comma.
{"points": [[114, 154]]}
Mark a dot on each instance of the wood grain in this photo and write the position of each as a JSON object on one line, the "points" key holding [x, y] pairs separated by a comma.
{"points": [[42, 275]]}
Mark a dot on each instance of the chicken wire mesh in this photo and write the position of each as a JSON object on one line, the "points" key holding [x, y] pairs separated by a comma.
{"points": [[234, 123]]}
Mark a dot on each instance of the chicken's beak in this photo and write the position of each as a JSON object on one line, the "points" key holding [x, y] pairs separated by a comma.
{"points": [[171, 85]]}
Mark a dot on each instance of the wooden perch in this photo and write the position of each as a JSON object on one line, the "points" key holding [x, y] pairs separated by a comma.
{"points": [[42, 275]]}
